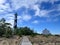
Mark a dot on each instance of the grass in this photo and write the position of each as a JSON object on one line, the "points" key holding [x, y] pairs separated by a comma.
{"points": [[10, 41], [44, 39]]}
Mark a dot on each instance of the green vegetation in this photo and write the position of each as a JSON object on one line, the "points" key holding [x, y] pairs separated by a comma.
{"points": [[6, 30], [24, 31]]}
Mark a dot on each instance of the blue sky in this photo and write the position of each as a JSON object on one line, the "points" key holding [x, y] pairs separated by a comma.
{"points": [[36, 14]]}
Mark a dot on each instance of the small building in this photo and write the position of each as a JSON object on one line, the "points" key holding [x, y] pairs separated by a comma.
{"points": [[46, 32]]}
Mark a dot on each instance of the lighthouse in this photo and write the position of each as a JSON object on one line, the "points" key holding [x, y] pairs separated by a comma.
{"points": [[15, 21]]}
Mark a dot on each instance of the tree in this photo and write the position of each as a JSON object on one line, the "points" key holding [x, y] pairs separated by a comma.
{"points": [[8, 32], [4, 27], [24, 31]]}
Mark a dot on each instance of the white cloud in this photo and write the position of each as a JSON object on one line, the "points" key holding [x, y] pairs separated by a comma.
{"points": [[58, 7], [26, 17], [35, 7], [52, 1], [55, 20], [19, 3], [9, 18], [52, 19], [19, 17], [10, 21], [35, 22], [16, 4], [40, 13], [43, 13], [31, 4], [4, 7], [2, 1], [48, 20], [42, 1]]}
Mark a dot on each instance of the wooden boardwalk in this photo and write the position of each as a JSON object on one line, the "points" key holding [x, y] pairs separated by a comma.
{"points": [[25, 41]]}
